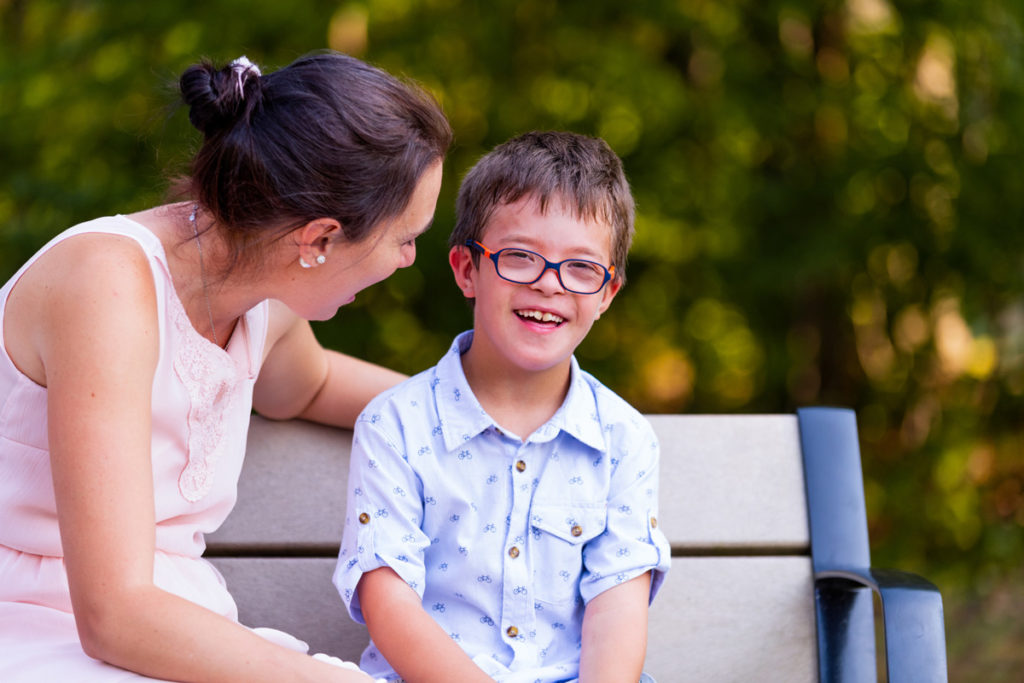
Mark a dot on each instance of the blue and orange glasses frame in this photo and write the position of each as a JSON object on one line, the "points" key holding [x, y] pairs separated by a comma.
{"points": [[524, 267]]}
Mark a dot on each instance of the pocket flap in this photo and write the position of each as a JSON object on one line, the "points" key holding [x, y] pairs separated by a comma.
{"points": [[573, 524]]}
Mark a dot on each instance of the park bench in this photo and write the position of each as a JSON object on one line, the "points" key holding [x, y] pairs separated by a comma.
{"points": [[771, 576]]}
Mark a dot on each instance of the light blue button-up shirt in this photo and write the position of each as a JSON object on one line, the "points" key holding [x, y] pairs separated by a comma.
{"points": [[505, 540]]}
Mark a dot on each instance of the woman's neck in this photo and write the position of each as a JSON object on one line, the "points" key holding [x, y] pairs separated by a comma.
{"points": [[195, 257]]}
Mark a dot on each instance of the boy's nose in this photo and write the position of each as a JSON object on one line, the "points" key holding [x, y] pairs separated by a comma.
{"points": [[549, 281]]}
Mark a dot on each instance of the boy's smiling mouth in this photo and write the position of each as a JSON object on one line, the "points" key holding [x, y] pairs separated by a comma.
{"points": [[540, 316]]}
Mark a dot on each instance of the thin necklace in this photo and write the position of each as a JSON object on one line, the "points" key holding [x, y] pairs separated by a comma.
{"points": [[202, 270]]}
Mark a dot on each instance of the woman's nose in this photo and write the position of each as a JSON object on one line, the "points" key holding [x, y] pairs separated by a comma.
{"points": [[408, 256]]}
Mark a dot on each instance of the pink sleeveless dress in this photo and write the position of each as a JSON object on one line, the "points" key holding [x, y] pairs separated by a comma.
{"points": [[202, 397]]}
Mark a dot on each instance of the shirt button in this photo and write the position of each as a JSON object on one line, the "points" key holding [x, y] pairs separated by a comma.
{"points": [[520, 466], [513, 552], [364, 518], [512, 631], [654, 522], [577, 530]]}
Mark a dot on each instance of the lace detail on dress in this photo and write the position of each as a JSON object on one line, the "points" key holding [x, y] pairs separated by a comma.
{"points": [[211, 379]]}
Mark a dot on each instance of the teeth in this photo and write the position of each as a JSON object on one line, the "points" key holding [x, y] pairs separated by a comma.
{"points": [[542, 316]]}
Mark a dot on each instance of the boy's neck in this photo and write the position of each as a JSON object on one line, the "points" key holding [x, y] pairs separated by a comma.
{"points": [[519, 401]]}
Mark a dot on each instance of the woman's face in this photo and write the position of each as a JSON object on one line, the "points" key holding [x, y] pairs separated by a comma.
{"points": [[349, 267]]}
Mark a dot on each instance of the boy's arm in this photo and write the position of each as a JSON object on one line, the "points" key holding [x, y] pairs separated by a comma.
{"points": [[413, 643], [615, 633]]}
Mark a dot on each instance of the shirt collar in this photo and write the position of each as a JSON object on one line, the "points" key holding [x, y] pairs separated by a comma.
{"points": [[462, 416]]}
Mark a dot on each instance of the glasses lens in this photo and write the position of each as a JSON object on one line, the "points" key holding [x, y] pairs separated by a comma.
{"points": [[582, 276], [519, 265]]}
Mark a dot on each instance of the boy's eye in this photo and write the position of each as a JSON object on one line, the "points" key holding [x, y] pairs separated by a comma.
{"points": [[517, 255], [582, 267]]}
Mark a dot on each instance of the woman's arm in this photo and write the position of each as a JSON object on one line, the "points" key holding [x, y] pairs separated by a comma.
{"points": [[300, 378], [413, 643], [96, 335], [615, 633]]}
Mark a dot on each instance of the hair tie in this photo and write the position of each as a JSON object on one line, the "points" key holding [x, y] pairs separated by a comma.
{"points": [[241, 66]]}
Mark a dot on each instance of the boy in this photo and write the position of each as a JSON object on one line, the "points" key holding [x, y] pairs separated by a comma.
{"points": [[502, 505]]}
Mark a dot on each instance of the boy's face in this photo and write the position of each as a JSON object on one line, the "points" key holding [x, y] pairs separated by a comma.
{"points": [[507, 331]]}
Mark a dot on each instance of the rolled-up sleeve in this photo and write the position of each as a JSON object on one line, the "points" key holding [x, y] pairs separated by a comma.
{"points": [[631, 543], [384, 513]]}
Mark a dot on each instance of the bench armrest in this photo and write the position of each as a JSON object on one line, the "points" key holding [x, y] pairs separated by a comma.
{"points": [[915, 641]]}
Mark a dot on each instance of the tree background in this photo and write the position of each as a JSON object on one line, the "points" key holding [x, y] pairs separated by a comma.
{"points": [[829, 211]]}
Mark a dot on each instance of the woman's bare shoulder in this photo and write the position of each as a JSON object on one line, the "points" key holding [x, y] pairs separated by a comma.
{"points": [[84, 265], [85, 288]]}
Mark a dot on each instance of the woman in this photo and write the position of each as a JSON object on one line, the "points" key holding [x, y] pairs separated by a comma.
{"points": [[135, 346]]}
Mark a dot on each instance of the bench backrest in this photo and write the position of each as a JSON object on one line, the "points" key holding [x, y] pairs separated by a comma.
{"points": [[738, 604]]}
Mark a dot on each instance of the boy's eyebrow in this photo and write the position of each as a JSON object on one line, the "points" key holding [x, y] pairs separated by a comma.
{"points": [[532, 244]]}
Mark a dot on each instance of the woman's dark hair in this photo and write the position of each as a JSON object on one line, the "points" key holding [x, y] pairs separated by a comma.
{"points": [[327, 136]]}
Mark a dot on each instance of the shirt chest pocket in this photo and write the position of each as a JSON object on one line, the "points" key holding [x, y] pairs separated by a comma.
{"points": [[559, 535]]}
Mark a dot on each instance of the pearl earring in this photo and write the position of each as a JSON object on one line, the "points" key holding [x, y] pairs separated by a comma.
{"points": [[302, 262], [321, 259]]}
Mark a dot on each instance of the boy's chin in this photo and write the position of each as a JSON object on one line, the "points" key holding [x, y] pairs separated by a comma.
{"points": [[538, 365]]}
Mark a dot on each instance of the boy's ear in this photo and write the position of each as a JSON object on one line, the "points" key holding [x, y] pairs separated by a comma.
{"points": [[607, 294], [461, 261]]}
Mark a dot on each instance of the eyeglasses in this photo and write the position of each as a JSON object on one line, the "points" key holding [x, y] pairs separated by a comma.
{"points": [[525, 267]]}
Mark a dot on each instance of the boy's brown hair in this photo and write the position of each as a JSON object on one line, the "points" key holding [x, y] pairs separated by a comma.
{"points": [[580, 171]]}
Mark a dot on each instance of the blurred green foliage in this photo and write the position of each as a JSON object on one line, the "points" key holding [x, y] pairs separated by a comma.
{"points": [[829, 204]]}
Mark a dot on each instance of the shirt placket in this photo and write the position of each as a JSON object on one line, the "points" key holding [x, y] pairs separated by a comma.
{"points": [[518, 616]]}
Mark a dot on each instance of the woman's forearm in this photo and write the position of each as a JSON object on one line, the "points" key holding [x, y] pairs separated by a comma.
{"points": [[299, 378], [348, 387], [161, 635]]}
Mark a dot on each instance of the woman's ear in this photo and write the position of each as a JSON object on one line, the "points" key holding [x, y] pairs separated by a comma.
{"points": [[315, 240], [461, 261]]}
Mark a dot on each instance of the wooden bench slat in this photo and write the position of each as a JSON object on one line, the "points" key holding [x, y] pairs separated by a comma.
{"points": [[741, 619], [314, 612], [291, 491], [732, 481]]}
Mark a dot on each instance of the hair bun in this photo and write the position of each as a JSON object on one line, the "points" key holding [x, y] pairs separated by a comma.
{"points": [[218, 98]]}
